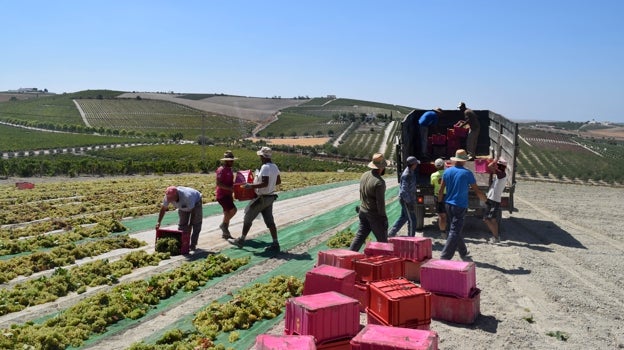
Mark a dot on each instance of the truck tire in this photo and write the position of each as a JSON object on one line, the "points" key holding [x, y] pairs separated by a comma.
{"points": [[420, 217]]}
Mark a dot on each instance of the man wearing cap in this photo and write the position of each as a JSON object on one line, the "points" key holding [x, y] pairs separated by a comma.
{"points": [[436, 179], [457, 181], [470, 118], [188, 201], [407, 198], [225, 192], [372, 210], [264, 184], [497, 168], [428, 119]]}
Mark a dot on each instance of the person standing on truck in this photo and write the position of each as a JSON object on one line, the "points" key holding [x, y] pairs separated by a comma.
{"points": [[436, 180], [470, 118], [225, 192], [457, 181], [497, 168], [407, 198], [428, 119], [264, 185], [372, 210], [188, 201]]}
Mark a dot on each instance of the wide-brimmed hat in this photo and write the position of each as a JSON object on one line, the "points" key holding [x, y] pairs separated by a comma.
{"points": [[461, 105], [502, 161], [439, 110], [171, 193], [265, 152], [411, 160], [378, 162], [460, 156], [228, 155]]}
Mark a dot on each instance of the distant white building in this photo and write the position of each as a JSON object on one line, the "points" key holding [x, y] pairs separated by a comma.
{"points": [[23, 90]]}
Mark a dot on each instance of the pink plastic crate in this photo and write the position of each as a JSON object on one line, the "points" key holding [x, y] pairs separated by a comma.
{"points": [[377, 268], [327, 316], [339, 257], [480, 165], [378, 248], [412, 248], [456, 310], [326, 278], [450, 277], [399, 302], [377, 337], [284, 342]]}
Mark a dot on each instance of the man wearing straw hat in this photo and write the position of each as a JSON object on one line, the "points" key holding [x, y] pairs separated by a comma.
{"points": [[457, 181], [372, 211], [225, 192]]}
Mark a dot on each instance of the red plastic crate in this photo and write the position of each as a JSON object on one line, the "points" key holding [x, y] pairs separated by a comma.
{"points": [[377, 268], [339, 257], [183, 237], [480, 165], [326, 278], [450, 277], [378, 248], [460, 131], [412, 270], [284, 342], [23, 185], [457, 310], [327, 316], [379, 337], [372, 318], [412, 248], [240, 192], [362, 295], [400, 302], [426, 168], [438, 139]]}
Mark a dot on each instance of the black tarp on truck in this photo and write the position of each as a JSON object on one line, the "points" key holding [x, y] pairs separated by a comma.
{"points": [[498, 137]]}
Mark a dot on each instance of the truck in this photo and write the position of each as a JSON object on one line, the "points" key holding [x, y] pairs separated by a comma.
{"points": [[498, 137]]}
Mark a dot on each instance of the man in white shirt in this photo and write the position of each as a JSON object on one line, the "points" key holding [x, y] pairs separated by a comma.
{"points": [[264, 184], [188, 201]]}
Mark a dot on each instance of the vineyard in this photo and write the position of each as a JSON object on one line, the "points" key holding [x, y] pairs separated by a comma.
{"points": [[565, 157]]}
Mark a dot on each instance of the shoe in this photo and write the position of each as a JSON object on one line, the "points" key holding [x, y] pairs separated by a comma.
{"points": [[239, 242], [466, 257], [225, 232], [274, 247], [226, 235], [495, 240]]}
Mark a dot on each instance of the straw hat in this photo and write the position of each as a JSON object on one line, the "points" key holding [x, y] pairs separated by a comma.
{"points": [[460, 156], [265, 152], [378, 162], [228, 155]]}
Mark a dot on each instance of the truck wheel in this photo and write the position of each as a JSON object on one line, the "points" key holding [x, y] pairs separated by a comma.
{"points": [[420, 217]]}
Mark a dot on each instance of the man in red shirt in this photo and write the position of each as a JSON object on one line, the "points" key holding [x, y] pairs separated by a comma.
{"points": [[225, 192]]}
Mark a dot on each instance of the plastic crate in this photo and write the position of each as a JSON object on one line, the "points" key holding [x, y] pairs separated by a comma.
{"points": [[412, 248], [342, 344], [183, 237], [362, 295], [412, 270], [24, 185], [480, 165], [327, 278], [372, 318], [450, 277], [284, 342], [240, 192], [327, 316], [339, 257], [457, 310], [379, 337], [400, 302], [381, 267], [378, 248]]}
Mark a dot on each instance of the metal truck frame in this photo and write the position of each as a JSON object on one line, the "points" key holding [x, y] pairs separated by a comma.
{"points": [[498, 137]]}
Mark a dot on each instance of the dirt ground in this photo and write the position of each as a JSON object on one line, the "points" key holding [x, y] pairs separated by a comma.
{"points": [[557, 271]]}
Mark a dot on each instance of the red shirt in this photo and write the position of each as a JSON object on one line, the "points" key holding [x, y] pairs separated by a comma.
{"points": [[226, 177]]}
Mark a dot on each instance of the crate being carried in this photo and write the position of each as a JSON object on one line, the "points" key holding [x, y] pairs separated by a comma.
{"points": [[240, 192], [328, 316], [378, 337], [401, 303], [449, 277], [326, 278], [183, 237]]}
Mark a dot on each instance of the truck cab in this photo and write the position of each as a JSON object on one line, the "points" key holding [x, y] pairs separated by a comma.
{"points": [[498, 137]]}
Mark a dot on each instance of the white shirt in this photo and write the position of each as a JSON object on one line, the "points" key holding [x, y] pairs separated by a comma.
{"points": [[495, 192], [270, 170]]}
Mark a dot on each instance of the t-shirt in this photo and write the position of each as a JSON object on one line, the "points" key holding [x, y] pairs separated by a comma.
{"points": [[458, 180], [428, 118], [226, 177], [495, 192], [187, 199], [270, 170], [436, 180]]}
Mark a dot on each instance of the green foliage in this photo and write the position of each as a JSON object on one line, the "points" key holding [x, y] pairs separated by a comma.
{"points": [[342, 239], [563, 336], [169, 245]]}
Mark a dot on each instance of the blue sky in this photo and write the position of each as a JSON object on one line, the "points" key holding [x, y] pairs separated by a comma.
{"points": [[543, 60]]}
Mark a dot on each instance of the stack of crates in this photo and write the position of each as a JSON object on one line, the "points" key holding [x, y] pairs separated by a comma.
{"points": [[375, 268], [415, 251], [327, 278], [399, 303], [333, 319], [454, 294]]}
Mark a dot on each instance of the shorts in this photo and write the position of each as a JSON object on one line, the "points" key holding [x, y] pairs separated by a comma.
{"points": [[227, 203], [492, 209], [440, 206]]}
